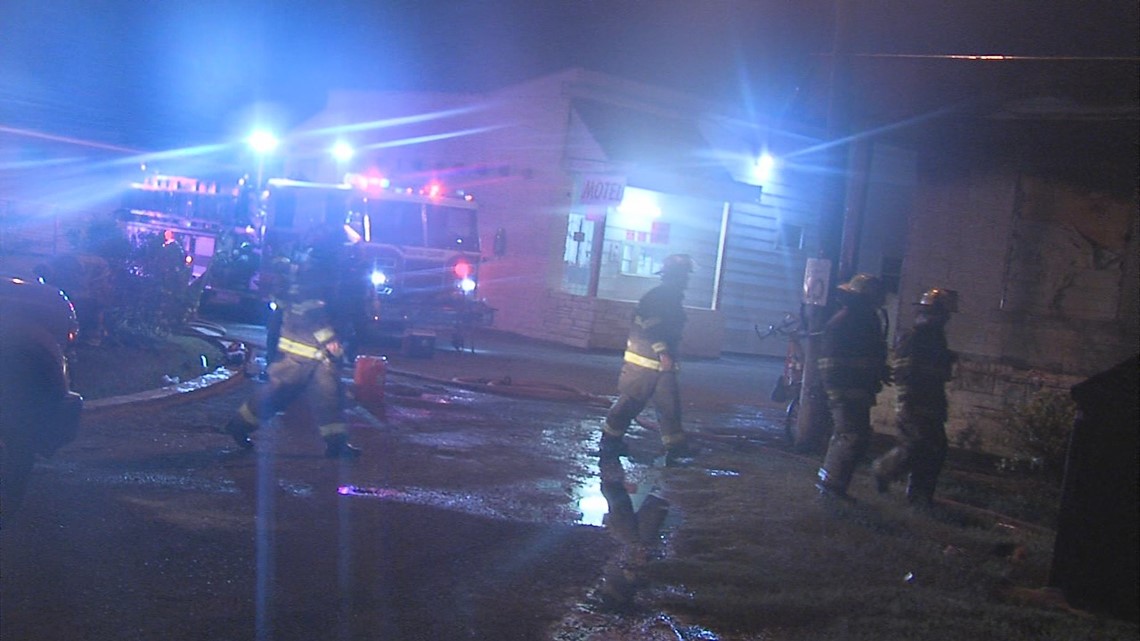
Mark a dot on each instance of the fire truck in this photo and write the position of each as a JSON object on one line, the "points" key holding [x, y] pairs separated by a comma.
{"points": [[188, 211], [218, 229], [408, 256]]}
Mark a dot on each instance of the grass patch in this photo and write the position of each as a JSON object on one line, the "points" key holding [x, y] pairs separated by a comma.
{"points": [[759, 556], [107, 370]]}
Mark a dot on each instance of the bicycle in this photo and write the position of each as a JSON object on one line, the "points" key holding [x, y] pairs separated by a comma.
{"points": [[788, 385]]}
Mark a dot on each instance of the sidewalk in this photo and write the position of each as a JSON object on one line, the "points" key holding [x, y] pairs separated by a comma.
{"points": [[509, 359], [514, 365]]}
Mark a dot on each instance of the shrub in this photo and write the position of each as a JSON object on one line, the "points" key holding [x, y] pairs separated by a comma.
{"points": [[153, 294], [1038, 432]]}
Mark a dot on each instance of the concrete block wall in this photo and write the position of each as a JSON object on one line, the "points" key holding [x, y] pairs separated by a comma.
{"points": [[980, 394], [566, 319], [611, 324], [962, 235], [594, 323]]}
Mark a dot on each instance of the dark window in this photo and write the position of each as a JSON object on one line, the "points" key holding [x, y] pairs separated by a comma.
{"points": [[452, 228], [790, 237], [396, 223]]}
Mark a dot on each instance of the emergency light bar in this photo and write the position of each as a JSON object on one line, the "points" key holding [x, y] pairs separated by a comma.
{"points": [[376, 183]]}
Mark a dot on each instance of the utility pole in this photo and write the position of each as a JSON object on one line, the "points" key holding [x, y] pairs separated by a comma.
{"points": [[813, 422]]}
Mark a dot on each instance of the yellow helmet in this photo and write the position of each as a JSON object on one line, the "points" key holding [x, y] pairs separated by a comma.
{"points": [[940, 300], [864, 285]]}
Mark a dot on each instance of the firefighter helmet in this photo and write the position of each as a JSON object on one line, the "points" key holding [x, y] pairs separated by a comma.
{"points": [[864, 285], [939, 300], [677, 264], [308, 278]]}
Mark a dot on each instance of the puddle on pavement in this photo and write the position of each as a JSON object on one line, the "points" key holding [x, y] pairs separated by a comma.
{"points": [[167, 481], [526, 503], [592, 505], [447, 440], [441, 399], [459, 502], [303, 490], [430, 395], [722, 473], [680, 631]]}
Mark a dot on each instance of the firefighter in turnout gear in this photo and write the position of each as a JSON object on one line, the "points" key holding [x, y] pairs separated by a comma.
{"points": [[922, 365], [853, 368], [649, 370], [305, 369]]}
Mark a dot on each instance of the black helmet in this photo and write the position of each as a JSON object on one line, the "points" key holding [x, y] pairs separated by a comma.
{"points": [[938, 300], [308, 278], [677, 264]]}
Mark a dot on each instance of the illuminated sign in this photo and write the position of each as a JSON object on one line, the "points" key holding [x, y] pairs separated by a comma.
{"points": [[602, 190]]}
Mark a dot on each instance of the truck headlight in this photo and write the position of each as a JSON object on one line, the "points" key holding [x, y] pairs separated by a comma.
{"points": [[378, 278]]}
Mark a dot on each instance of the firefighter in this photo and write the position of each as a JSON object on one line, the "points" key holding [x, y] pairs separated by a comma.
{"points": [[306, 369], [853, 367], [649, 371], [922, 365]]}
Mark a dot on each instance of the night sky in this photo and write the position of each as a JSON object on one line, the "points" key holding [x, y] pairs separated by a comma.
{"points": [[158, 75]]}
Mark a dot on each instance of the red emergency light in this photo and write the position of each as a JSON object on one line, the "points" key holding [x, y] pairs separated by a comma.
{"points": [[462, 269]]}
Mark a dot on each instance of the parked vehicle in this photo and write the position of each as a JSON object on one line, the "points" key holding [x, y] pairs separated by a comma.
{"points": [[38, 411]]}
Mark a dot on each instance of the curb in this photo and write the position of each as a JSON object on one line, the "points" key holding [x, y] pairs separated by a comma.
{"points": [[219, 380]]}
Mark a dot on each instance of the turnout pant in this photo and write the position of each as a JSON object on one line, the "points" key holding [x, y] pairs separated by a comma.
{"points": [[849, 443], [637, 387], [921, 452], [317, 383]]}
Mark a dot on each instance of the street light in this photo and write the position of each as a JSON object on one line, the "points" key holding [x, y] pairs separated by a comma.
{"points": [[262, 143], [762, 170], [342, 151]]}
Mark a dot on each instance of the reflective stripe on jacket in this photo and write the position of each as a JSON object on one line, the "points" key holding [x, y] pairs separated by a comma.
{"points": [[306, 329], [642, 361], [300, 349], [658, 322]]}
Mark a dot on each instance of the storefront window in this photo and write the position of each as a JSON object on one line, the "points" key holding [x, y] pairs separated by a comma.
{"points": [[578, 254], [639, 233]]}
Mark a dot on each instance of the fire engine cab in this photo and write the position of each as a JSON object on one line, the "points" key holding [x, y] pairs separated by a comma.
{"points": [[409, 257]]}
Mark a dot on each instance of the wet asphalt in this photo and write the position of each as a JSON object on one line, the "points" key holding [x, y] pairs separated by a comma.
{"points": [[473, 513], [507, 363]]}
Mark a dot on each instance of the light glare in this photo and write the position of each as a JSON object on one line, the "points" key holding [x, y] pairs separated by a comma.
{"points": [[765, 165], [262, 142], [342, 151]]}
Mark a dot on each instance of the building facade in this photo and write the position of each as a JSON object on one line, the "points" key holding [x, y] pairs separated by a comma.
{"points": [[591, 182]]}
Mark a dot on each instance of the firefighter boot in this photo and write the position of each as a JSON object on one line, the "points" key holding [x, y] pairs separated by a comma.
{"points": [[337, 446], [679, 454], [239, 432], [882, 480], [612, 447]]}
